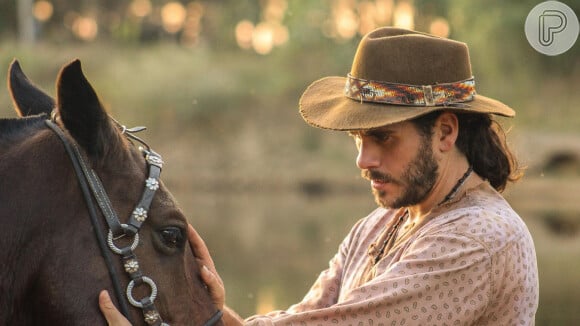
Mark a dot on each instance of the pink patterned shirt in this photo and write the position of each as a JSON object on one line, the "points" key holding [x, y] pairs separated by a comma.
{"points": [[473, 263]]}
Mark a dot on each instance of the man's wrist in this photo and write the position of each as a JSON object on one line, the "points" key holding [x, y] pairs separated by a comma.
{"points": [[231, 318]]}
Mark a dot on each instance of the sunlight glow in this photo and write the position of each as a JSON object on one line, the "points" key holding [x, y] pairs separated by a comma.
{"points": [[192, 26], [281, 34], [440, 27], [140, 8], [244, 31], [367, 12], [195, 10], [350, 17], [383, 11], [274, 10], [42, 10], [270, 32], [404, 15], [346, 24], [173, 16], [85, 28], [265, 301], [263, 38]]}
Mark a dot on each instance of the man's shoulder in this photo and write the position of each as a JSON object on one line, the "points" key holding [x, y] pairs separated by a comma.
{"points": [[483, 216]]}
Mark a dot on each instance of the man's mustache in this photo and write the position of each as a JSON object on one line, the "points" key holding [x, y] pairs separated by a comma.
{"points": [[377, 175]]}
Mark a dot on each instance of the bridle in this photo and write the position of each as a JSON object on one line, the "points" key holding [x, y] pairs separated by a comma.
{"points": [[92, 187]]}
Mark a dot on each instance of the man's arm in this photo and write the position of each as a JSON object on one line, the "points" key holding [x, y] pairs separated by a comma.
{"points": [[231, 318]]}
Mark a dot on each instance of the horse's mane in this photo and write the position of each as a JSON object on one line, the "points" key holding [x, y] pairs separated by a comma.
{"points": [[14, 128]]}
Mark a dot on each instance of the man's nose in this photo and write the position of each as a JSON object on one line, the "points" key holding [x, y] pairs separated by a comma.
{"points": [[368, 155]]}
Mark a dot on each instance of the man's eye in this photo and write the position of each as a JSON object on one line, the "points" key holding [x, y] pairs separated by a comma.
{"points": [[381, 136]]}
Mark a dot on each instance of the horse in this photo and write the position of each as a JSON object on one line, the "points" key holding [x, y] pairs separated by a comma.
{"points": [[54, 261]]}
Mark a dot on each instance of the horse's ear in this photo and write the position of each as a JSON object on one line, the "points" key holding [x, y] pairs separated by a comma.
{"points": [[27, 98], [81, 111]]}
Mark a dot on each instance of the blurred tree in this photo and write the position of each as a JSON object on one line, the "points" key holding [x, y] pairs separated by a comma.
{"points": [[492, 28], [26, 33]]}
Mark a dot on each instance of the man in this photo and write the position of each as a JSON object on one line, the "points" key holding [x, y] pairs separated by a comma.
{"points": [[444, 247]]}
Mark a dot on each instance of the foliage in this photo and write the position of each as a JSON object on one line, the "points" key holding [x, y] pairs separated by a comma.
{"points": [[254, 179]]}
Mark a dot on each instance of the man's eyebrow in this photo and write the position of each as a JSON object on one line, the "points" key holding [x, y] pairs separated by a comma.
{"points": [[377, 131], [371, 132]]}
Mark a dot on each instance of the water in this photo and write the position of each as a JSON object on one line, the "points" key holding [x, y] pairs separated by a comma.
{"points": [[270, 243]]}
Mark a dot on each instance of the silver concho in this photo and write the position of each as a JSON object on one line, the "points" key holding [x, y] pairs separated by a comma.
{"points": [[152, 184], [140, 214]]}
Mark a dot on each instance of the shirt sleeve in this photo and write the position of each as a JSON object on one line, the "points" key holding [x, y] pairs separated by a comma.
{"points": [[439, 279], [323, 294]]}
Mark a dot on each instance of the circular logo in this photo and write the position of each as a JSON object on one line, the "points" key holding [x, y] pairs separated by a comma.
{"points": [[552, 27]]}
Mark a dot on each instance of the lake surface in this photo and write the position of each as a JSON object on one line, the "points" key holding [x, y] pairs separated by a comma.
{"points": [[271, 240]]}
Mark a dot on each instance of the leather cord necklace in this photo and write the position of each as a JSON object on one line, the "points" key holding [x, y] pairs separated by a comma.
{"points": [[392, 233], [458, 185]]}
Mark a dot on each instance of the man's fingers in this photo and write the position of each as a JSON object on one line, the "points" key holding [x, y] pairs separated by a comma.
{"points": [[199, 248], [209, 274], [112, 315], [215, 287]]}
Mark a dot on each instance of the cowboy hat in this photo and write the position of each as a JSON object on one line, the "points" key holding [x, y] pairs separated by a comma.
{"points": [[397, 75]]}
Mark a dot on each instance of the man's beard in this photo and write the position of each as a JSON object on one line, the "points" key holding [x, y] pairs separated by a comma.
{"points": [[417, 180]]}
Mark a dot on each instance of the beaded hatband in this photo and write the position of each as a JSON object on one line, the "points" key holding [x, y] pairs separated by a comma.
{"points": [[414, 95]]}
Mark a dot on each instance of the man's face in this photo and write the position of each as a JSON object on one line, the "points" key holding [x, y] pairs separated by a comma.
{"points": [[399, 162]]}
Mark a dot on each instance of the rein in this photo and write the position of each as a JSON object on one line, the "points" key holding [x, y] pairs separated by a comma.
{"points": [[92, 187]]}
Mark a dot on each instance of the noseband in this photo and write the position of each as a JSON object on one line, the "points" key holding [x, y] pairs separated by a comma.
{"points": [[92, 187]]}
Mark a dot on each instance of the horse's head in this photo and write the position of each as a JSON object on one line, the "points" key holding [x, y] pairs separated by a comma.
{"points": [[54, 269]]}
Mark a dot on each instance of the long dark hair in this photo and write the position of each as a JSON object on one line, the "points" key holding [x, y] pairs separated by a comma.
{"points": [[483, 141]]}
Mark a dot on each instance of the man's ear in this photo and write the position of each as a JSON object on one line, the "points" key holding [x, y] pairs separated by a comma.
{"points": [[446, 130]]}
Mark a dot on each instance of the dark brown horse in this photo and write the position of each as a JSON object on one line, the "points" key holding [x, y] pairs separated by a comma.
{"points": [[52, 268]]}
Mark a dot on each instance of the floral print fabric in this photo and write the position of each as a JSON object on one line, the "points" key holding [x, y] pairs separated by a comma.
{"points": [[472, 263]]}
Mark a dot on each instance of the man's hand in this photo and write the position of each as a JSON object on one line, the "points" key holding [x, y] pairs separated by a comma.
{"points": [[211, 278], [112, 315], [209, 274]]}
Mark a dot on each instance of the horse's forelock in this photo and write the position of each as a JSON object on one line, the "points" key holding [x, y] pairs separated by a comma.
{"points": [[117, 150]]}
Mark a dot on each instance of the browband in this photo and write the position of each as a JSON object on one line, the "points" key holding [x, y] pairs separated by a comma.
{"points": [[413, 95]]}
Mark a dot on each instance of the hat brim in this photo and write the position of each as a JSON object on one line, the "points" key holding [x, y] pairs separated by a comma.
{"points": [[324, 105]]}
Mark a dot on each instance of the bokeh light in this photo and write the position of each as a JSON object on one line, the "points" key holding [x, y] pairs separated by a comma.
{"points": [[440, 27], [346, 22], [274, 10], [263, 38], [140, 8], [366, 11], [383, 11], [173, 16], [42, 10], [350, 18], [192, 26], [267, 34], [265, 301], [85, 28], [404, 15], [212, 58], [281, 34], [244, 31]]}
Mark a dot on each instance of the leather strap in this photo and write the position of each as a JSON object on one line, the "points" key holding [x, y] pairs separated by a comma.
{"points": [[82, 177], [91, 186]]}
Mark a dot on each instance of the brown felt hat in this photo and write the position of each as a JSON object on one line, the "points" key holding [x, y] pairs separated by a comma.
{"points": [[397, 75]]}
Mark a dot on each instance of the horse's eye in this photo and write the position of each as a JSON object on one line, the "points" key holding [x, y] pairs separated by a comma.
{"points": [[172, 237]]}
